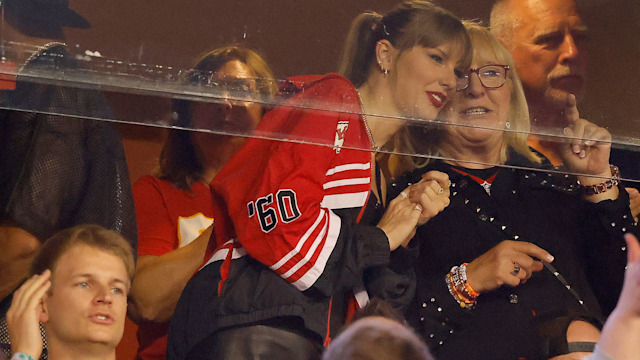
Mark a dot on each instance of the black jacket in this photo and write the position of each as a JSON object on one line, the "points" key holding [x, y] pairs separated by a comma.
{"points": [[542, 208]]}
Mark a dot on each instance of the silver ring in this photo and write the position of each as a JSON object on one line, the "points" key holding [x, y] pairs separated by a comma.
{"points": [[516, 269], [440, 191], [404, 195]]}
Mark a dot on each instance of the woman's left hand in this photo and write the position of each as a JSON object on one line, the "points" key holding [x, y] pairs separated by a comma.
{"points": [[587, 150], [431, 193]]}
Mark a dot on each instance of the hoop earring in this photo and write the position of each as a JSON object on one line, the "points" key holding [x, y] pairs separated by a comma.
{"points": [[385, 71], [507, 125]]}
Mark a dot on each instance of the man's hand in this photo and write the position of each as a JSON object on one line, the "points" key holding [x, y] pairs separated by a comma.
{"points": [[587, 151], [23, 317]]}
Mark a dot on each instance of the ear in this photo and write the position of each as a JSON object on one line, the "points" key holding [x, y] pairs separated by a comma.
{"points": [[44, 309], [385, 53]]}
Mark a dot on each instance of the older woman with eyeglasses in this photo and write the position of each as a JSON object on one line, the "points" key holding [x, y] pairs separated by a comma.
{"points": [[510, 268]]}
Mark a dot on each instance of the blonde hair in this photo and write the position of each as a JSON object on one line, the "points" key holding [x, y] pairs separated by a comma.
{"points": [[91, 235], [427, 142]]}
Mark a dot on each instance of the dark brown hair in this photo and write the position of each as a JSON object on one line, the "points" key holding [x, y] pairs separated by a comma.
{"points": [[411, 23], [179, 163], [92, 235]]}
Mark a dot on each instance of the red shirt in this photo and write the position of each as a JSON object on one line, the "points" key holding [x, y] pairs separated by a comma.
{"points": [[168, 218]]}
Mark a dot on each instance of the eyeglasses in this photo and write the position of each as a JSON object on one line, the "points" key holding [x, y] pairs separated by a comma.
{"points": [[491, 76]]}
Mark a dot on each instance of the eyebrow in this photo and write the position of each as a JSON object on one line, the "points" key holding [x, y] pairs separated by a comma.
{"points": [[442, 52], [126, 283], [542, 32]]}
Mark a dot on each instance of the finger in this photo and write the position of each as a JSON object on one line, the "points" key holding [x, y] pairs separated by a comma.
{"points": [[522, 275], [633, 192], [532, 250], [424, 192], [571, 110], [526, 262], [570, 134], [441, 178], [38, 295], [633, 248], [510, 279], [576, 132], [407, 211], [23, 295], [432, 203], [596, 135], [402, 196]]}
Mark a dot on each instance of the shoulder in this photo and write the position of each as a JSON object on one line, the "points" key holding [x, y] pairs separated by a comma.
{"points": [[149, 182], [334, 89]]}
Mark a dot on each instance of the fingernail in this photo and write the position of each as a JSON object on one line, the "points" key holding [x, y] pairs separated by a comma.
{"points": [[582, 154], [566, 131], [549, 258], [576, 149]]}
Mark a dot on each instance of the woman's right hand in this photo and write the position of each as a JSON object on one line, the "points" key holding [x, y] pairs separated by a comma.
{"points": [[400, 220], [431, 193], [415, 206], [498, 267]]}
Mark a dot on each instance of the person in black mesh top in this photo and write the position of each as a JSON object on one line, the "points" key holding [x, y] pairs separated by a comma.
{"points": [[56, 171]]}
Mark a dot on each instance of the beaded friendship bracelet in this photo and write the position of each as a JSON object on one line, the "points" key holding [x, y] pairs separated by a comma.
{"points": [[460, 288]]}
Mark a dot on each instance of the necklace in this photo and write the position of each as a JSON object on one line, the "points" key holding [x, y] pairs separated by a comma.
{"points": [[366, 123], [486, 184]]}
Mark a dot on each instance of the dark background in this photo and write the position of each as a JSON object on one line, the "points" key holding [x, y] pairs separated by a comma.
{"points": [[306, 36]]}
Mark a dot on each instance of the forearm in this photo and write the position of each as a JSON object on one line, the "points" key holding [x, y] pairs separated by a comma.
{"points": [[159, 280]]}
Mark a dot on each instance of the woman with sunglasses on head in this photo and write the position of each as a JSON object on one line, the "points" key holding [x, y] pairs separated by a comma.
{"points": [[174, 206], [488, 285], [299, 224]]}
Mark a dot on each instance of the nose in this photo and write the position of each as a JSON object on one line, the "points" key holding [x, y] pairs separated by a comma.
{"points": [[569, 49], [475, 88], [448, 80], [104, 295]]}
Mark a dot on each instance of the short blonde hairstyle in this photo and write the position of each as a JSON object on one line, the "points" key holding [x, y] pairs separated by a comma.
{"points": [[91, 235]]}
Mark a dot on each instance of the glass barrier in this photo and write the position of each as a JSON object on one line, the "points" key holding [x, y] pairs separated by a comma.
{"points": [[142, 66]]}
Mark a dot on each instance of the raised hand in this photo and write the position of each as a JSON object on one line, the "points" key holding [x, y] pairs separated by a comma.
{"points": [[23, 317], [508, 263], [587, 150]]}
